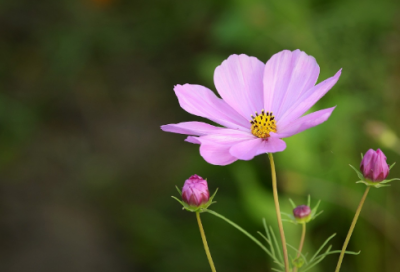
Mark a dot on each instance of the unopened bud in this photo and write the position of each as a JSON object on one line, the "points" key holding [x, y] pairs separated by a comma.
{"points": [[302, 213], [373, 166], [195, 191]]}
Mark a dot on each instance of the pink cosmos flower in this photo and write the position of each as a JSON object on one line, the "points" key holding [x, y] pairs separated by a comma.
{"points": [[260, 105]]}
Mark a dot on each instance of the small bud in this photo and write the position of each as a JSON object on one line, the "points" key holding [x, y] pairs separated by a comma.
{"points": [[302, 213], [373, 166], [195, 191]]}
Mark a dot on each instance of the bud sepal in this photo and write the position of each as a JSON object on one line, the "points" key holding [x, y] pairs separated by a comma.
{"points": [[202, 208]]}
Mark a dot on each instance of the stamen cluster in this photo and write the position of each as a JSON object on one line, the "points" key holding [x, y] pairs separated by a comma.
{"points": [[263, 124]]}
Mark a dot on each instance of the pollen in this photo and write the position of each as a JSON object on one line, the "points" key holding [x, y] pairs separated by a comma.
{"points": [[262, 124]]}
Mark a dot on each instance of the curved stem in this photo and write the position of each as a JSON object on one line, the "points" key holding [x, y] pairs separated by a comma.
{"points": [[303, 235], [353, 224], [278, 212], [203, 237]]}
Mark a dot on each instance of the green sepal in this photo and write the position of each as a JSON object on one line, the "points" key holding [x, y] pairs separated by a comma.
{"points": [[293, 204], [376, 184], [179, 191], [359, 174], [390, 167]]}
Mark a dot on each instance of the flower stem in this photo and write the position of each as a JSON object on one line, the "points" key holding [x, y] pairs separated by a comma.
{"points": [[353, 224], [278, 212], [303, 235], [203, 237]]}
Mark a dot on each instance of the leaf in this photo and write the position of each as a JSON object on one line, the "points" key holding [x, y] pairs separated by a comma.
{"points": [[323, 245], [269, 237], [309, 201], [390, 168], [278, 249]]}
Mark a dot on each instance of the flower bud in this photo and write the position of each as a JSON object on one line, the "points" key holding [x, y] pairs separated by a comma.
{"points": [[195, 191], [373, 166], [302, 213]]}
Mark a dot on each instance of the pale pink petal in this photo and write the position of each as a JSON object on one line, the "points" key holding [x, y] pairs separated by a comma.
{"points": [[307, 100], [199, 100], [305, 122], [287, 76], [215, 148], [191, 128], [304, 71], [246, 150], [239, 82]]}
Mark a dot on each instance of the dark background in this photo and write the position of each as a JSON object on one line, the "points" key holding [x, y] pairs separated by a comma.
{"points": [[86, 174]]}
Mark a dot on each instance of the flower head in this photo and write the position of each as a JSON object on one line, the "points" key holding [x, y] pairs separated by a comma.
{"points": [[195, 191], [261, 104], [373, 166]]}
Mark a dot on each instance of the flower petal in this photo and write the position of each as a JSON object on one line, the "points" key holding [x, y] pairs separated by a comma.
{"points": [[239, 82], [305, 122], [200, 101], [287, 76], [191, 128], [246, 150], [215, 148], [307, 100]]}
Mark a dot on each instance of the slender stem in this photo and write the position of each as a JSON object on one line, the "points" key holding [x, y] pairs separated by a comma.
{"points": [[303, 235], [278, 212], [203, 237], [353, 224]]}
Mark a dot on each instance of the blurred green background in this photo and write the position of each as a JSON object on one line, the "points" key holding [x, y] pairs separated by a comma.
{"points": [[86, 174]]}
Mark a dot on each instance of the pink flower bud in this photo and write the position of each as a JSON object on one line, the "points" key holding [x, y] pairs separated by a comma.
{"points": [[301, 211], [373, 166], [195, 191]]}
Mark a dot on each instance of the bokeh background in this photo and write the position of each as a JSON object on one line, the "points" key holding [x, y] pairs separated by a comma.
{"points": [[86, 174]]}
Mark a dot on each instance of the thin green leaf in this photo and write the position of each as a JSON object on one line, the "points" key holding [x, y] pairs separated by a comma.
{"points": [[179, 191], [293, 204], [317, 261], [362, 156], [278, 249], [323, 245], [389, 180], [269, 236], [240, 229], [274, 269], [390, 168], [269, 253], [309, 201], [297, 251]]}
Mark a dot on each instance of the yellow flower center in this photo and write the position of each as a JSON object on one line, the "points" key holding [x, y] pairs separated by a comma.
{"points": [[263, 124]]}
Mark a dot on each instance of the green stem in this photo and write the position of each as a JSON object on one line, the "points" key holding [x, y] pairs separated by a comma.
{"points": [[353, 224], [278, 212], [203, 237], [240, 229], [303, 235]]}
